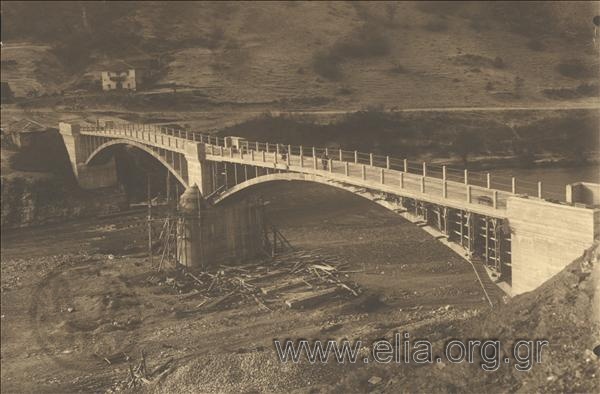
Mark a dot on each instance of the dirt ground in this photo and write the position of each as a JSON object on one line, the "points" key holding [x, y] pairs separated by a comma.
{"points": [[76, 293]]}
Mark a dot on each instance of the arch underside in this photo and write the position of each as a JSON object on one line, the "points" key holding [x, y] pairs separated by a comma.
{"points": [[294, 176], [177, 174]]}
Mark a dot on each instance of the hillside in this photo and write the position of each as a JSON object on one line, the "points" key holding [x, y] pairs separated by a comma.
{"points": [[343, 55]]}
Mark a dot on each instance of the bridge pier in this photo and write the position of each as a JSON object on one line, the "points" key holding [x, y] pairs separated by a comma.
{"points": [[201, 172], [88, 176]]}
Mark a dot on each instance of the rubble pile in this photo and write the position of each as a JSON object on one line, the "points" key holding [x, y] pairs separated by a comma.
{"points": [[301, 279]]}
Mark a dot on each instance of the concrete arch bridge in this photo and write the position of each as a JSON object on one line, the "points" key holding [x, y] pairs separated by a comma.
{"points": [[524, 239]]}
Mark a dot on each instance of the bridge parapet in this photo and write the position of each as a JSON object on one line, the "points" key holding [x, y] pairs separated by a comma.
{"points": [[481, 213]]}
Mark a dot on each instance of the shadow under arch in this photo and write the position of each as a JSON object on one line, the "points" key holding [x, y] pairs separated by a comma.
{"points": [[142, 147]]}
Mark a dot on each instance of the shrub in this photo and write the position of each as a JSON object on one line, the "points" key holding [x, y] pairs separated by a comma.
{"points": [[575, 69], [498, 62], [536, 45]]}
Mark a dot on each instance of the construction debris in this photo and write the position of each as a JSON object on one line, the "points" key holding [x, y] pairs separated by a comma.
{"points": [[298, 279], [140, 374]]}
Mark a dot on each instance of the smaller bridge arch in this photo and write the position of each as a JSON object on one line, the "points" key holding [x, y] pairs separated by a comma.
{"points": [[142, 147]]}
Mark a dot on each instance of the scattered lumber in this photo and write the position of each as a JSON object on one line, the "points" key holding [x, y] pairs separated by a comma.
{"points": [[289, 284], [311, 298]]}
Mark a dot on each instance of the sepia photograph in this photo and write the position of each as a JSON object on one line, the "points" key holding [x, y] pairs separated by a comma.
{"points": [[300, 197]]}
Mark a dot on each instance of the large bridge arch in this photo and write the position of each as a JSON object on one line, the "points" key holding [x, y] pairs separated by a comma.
{"points": [[297, 177], [140, 146]]}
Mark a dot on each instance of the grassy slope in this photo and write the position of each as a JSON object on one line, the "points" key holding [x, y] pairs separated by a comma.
{"points": [[263, 52]]}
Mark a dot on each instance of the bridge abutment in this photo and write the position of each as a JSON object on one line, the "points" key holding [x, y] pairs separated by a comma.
{"points": [[546, 237], [88, 176]]}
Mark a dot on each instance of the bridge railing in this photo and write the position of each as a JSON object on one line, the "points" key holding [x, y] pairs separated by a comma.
{"points": [[484, 189]]}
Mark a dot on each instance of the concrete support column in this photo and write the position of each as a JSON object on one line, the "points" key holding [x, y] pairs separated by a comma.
{"points": [[200, 171], [189, 232]]}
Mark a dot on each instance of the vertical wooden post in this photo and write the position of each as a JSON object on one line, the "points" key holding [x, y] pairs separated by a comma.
{"points": [[330, 165], [445, 189], [235, 173], [387, 162], [487, 239], [252, 155], [276, 150], [405, 165], [301, 152], [225, 173], [221, 150], [488, 180], [539, 189], [346, 172], [495, 199], [245, 172], [301, 158], [444, 173], [424, 169], [149, 221], [267, 147], [466, 176], [469, 194], [314, 161], [402, 180], [371, 159], [326, 151], [341, 155], [355, 157], [264, 157], [364, 172], [257, 147], [382, 176], [422, 184], [462, 230], [514, 185]]}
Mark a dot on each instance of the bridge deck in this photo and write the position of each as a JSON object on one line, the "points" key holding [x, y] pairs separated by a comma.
{"points": [[379, 172]]}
